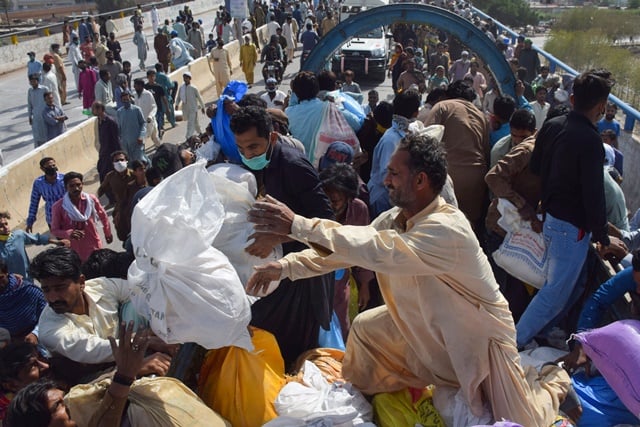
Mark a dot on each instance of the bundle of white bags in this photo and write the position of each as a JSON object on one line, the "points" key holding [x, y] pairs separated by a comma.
{"points": [[189, 290]]}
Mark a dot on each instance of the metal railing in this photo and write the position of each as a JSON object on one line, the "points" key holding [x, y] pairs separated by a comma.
{"points": [[631, 114], [15, 37]]}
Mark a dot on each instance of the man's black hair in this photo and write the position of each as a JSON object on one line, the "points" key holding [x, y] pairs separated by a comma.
{"points": [[557, 111], [138, 81], [103, 74], [117, 153], [461, 90], [56, 262], [383, 114], [406, 103], [14, 357], [252, 99], [503, 107], [252, 117], [436, 94], [523, 119], [591, 88], [426, 154], [342, 177], [327, 80], [29, 407], [44, 161], [107, 263], [305, 85], [72, 175], [152, 174]]}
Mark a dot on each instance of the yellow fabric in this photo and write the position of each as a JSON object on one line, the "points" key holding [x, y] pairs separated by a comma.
{"points": [[397, 409], [445, 321], [242, 385], [4, 237], [158, 402]]}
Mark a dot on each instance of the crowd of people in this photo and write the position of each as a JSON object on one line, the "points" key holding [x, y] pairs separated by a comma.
{"points": [[397, 202]]}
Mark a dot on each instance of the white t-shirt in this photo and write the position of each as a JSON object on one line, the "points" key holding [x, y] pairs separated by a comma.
{"points": [[278, 100]]}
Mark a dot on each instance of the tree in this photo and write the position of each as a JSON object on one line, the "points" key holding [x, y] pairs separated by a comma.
{"points": [[633, 4], [516, 13], [6, 6]]}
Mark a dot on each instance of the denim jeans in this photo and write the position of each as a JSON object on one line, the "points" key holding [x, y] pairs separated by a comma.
{"points": [[566, 256]]}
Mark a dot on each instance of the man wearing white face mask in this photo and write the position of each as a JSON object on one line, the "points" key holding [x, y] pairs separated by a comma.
{"points": [[273, 97], [116, 183], [295, 311]]}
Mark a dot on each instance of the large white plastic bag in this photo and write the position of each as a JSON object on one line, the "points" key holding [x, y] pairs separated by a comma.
{"points": [[236, 188], [187, 289], [523, 253], [318, 400]]}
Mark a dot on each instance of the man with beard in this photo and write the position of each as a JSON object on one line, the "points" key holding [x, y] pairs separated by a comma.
{"points": [[81, 314], [74, 217], [49, 187], [444, 321]]}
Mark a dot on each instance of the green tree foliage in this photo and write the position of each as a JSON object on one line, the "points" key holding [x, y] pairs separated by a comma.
{"points": [[590, 45], [515, 13], [633, 4], [106, 6], [612, 23]]}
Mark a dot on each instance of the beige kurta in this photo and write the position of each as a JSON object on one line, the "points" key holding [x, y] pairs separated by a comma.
{"points": [[445, 321], [466, 139]]}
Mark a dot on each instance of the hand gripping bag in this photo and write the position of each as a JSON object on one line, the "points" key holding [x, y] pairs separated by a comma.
{"points": [[187, 289], [234, 186], [523, 253]]}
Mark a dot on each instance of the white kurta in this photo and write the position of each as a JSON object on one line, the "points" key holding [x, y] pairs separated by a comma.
{"points": [[191, 100], [147, 104]]}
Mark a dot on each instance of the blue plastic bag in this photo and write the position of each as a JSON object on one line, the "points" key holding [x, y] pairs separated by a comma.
{"points": [[234, 91], [333, 337]]}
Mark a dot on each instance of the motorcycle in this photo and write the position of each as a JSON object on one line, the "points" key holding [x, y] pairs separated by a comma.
{"points": [[272, 69]]}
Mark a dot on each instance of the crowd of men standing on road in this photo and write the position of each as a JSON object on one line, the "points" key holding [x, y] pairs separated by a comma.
{"points": [[399, 197]]}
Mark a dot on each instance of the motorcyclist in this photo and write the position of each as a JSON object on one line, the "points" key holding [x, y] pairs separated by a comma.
{"points": [[272, 53]]}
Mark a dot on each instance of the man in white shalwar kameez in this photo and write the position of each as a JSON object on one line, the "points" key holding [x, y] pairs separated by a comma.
{"points": [[445, 321], [144, 99], [191, 100]]}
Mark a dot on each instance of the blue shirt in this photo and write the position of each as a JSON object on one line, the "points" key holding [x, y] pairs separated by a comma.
{"points": [[21, 304], [499, 133], [610, 291], [14, 254], [309, 40], [604, 124], [381, 158], [34, 67], [51, 193]]}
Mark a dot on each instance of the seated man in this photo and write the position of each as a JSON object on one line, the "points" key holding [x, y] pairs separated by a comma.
{"points": [[20, 365], [43, 403], [628, 280], [445, 322], [81, 315], [21, 303]]}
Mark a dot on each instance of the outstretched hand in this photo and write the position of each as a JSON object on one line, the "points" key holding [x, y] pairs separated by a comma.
{"points": [[129, 353], [262, 277], [271, 216]]}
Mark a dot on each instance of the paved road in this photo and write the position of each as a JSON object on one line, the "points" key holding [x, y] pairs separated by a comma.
{"points": [[15, 132]]}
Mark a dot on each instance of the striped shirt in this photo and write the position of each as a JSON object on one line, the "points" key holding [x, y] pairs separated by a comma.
{"points": [[20, 306], [51, 193]]}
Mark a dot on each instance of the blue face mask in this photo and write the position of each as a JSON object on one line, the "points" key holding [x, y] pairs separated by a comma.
{"points": [[257, 163]]}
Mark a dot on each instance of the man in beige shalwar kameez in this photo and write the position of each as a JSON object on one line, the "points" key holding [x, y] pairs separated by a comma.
{"points": [[445, 321], [466, 139]]}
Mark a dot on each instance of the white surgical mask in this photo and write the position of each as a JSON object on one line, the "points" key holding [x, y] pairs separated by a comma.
{"points": [[120, 166]]}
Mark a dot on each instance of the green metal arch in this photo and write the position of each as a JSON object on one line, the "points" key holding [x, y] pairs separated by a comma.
{"points": [[455, 25]]}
